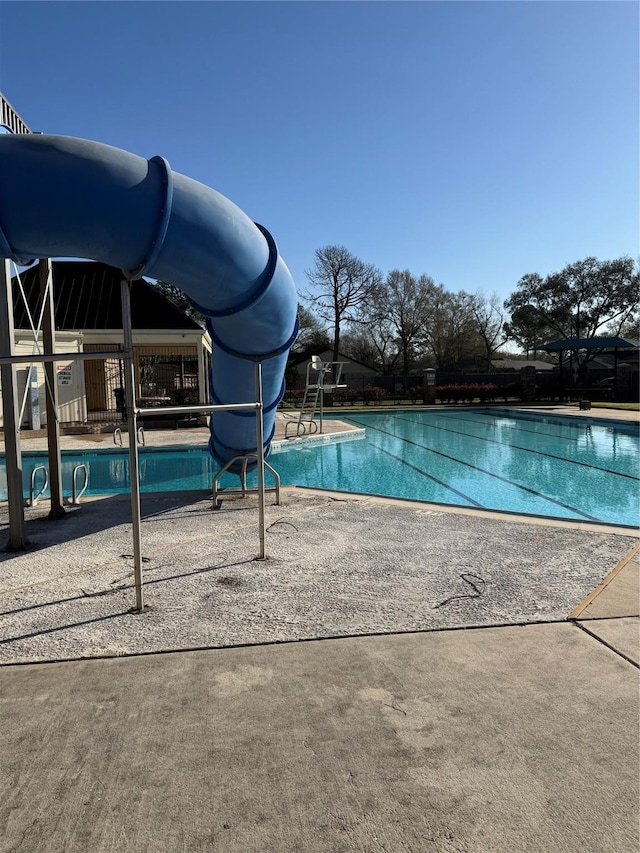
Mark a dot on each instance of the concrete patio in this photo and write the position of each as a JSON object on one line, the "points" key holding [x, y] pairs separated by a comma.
{"points": [[393, 677]]}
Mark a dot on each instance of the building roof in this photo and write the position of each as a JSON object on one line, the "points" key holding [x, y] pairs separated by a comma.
{"points": [[87, 296], [588, 343], [519, 363]]}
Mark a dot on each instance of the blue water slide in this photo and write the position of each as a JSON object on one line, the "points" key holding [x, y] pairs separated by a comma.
{"points": [[67, 197]]}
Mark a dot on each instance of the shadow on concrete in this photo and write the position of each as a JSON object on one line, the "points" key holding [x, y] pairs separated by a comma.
{"points": [[95, 515]]}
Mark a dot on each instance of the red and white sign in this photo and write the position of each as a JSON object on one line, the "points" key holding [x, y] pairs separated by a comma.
{"points": [[64, 374]]}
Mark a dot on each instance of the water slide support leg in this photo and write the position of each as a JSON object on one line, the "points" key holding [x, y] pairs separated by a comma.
{"points": [[260, 448], [57, 509], [11, 416], [134, 474]]}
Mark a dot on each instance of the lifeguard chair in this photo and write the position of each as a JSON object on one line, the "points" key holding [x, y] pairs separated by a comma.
{"points": [[313, 401]]}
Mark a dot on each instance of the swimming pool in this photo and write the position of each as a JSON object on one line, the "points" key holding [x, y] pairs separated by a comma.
{"points": [[571, 468]]}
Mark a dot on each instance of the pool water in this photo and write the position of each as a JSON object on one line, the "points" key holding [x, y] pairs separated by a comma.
{"points": [[550, 466]]}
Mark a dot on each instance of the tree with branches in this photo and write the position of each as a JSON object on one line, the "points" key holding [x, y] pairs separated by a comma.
{"points": [[528, 328], [402, 306], [584, 300], [343, 283], [180, 300], [489, 320], [372, 343], [451, 334]]}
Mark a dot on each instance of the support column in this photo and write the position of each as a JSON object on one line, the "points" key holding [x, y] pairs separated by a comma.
{"points": [[11, 415], [132, 420], [260, 449], [51, 390], [528, 381], [203, 380]]}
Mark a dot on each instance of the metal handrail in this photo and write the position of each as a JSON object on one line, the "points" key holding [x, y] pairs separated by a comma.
{"points": [[117, 436], [75, 494], [33, 499], [202, 410], [300, 427], [243, 460]]}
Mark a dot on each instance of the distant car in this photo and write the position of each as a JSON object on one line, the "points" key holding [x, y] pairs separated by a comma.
{"points": [[609, 382]]}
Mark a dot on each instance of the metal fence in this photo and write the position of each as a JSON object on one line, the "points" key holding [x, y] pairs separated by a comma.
{"points": [[500, 387], [165, 376], [409, 388]]}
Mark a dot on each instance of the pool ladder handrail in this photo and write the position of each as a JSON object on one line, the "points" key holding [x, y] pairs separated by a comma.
{"points": [[75, 494], [117, 436], [217, 493], [32, 500]]}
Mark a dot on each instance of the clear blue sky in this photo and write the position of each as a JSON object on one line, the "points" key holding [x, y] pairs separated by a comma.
{"points": [[471, 141]]}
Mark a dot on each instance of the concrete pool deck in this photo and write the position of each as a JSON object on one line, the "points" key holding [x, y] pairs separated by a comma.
{"points": [[37, 440], [394, 677]]}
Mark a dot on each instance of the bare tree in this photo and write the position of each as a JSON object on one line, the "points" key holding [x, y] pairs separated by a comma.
{"points": [[489, 321], [404, 304], [312, 336], [343, 283], [451, 334], [373, 343], [312, 339]]}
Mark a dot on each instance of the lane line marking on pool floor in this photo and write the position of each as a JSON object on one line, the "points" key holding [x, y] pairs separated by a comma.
{"points": [[519, 446], [511, 483]]}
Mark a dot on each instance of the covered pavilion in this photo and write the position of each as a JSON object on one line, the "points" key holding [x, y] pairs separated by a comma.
{"points": [[604, 344]]}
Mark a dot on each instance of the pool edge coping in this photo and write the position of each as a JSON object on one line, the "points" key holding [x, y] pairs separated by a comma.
{"points": [[482, 512]]}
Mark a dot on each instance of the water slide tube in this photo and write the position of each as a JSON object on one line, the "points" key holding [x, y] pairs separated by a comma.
{"points": [[67, 197]]}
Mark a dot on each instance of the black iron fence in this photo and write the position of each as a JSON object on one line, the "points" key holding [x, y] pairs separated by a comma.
{"points": [[475, 387]]}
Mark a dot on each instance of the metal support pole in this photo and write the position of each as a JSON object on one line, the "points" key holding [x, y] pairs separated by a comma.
{"points": [[11, 416], [51, 391], [260, 449], [202, 374], [134, 472]]}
